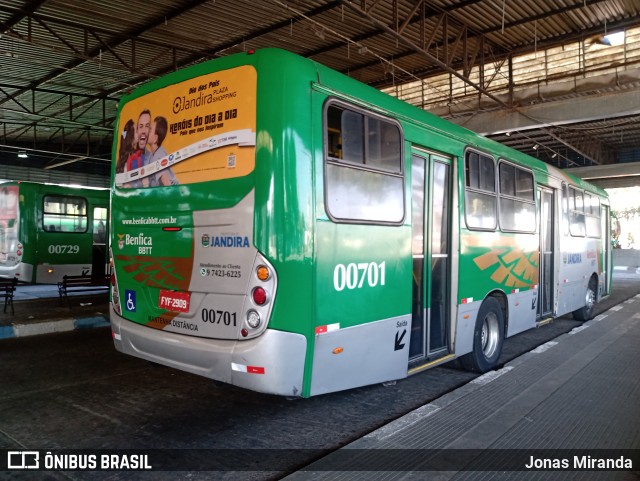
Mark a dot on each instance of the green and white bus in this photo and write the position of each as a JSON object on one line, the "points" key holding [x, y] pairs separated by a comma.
{"points": [[49, 230], [284, 228]]}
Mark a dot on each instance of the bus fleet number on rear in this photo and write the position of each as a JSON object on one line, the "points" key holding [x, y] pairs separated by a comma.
{"points": [[356, 276]]}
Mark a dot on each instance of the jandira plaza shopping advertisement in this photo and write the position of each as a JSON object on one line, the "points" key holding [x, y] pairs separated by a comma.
{"points": [[197, 130]]}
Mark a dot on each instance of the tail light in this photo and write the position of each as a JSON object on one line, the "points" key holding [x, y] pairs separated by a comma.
{"points": [[261, 293], [262, 273], [253, 319], [259, 296]]}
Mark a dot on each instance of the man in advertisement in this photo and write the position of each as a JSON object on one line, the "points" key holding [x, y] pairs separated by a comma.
{"points": [[156, 152]]}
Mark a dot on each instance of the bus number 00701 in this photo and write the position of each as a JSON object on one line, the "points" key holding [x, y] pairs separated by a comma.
{"points": [[219, 317], [353, 276]]}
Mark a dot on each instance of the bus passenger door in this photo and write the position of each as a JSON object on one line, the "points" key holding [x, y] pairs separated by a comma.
{"points": [[546, 267], [99, 245], [430, 194]]}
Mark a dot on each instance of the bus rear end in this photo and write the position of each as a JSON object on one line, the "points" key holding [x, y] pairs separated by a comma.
{"points": [[190, 289]]}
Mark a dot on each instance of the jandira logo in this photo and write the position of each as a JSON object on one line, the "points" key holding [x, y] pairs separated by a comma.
{"points": [[205, 240]]}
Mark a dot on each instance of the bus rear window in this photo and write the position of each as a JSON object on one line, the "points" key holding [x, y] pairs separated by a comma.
{"points": [[64, 214]]}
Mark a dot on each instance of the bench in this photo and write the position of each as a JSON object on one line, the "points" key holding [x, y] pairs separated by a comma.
{"points": [[7, 288], [81, 284]]}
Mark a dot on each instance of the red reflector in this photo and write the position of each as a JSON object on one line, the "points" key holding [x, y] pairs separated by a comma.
{"points": [[172, 229], [259, 296], [113, 279], [255, 370]]}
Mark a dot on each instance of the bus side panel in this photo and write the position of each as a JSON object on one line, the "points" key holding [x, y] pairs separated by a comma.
{"points": [[61, 253], [579, 261], [465, 324], [44, 256], [503, 263], [383, 357], [363, 281], [285, 205]]}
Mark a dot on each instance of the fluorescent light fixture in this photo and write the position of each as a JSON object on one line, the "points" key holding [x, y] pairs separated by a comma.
{"points": [[22, 154], [615, 39], [535, 147]]}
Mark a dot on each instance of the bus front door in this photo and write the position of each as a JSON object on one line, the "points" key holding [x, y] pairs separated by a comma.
{"points": [[430, 193]]}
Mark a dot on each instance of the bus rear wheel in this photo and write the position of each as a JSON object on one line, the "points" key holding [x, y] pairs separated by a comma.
{"points": [[488, 337], [586, 312]]}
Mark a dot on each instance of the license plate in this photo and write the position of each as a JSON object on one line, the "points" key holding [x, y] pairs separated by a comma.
{"points": [[174, 301]]}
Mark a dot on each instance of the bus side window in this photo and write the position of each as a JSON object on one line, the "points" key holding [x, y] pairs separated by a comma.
{"points": [[517, 201], [592, 215], [480, 191], [64, 213], [100, 215], [565, 209], [364, 177], [576, 212], [352, 138]]}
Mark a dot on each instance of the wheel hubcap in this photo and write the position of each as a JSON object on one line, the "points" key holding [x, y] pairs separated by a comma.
{"points": [[590, 299], [490, 335]]}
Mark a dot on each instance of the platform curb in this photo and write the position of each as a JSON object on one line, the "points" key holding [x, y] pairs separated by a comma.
{"points": [[49, 327]]}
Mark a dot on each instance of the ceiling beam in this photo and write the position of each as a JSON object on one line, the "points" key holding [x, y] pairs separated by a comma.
{"points": [[423, 52], [551, 113], [118, 39], [500, 55]]}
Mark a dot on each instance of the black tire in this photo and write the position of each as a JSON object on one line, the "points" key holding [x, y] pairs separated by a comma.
{"points": [[586, 312], [488, 337]]}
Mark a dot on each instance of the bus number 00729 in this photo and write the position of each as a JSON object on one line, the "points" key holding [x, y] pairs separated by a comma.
{"points": [[64, 249], [353, 276]]}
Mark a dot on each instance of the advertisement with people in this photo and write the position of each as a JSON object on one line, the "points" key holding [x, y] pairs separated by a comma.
{"points": [[198, 130]]}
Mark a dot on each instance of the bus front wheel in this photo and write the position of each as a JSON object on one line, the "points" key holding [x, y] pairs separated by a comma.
{"points": [[586, 312], [488, 337]]}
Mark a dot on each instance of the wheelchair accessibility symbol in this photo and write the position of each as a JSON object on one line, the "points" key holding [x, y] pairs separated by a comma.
{"points": [[130, 297]]}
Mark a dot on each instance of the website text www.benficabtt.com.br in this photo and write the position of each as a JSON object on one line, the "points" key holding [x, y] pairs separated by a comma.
{"points": [[150, 220]]}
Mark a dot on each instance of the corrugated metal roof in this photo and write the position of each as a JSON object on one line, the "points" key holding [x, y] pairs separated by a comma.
{"points": [[64, 64]]}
